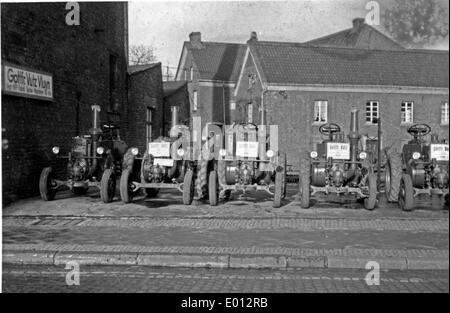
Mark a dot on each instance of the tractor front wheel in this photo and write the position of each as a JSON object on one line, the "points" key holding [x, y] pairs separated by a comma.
{"points": [[45, 184], [213, 188], [126, 192], [108, 186], [188, 187], [371, 201], [406, 194], [305, 183]]}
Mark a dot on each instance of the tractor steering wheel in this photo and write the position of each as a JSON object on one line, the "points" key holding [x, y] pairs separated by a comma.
{"points": [[329, 129], [419, 130]]}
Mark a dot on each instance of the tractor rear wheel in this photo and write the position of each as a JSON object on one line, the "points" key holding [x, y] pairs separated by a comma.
{"points": [[393, 176], [202, 179], [406, 195], [371, 201], [188, 187], [126, 192], [108, 186], [305, 182], [45, 184], [213, 188]]}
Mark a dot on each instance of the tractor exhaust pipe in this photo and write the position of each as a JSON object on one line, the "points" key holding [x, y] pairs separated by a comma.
{"points": [[174, 117], [354, 136]]}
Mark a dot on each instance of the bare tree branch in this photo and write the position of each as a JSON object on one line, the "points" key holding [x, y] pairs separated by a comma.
{"points": [[142, 54]]}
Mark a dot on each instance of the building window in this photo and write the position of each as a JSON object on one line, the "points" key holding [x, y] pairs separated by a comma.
{"points": [[192, 73], [185, 74], [372, 112], [320, 111], [195, 100], [407, 112], [444, 113], [250, 113], [148, 126]]}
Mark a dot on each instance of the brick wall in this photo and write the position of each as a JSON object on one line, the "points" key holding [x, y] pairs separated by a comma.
{"points": [[180, 99], [297, 131], [36, 36], [145, 90]]}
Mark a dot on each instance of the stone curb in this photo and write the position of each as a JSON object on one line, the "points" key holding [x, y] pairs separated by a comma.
{"points": [[249, 261]]}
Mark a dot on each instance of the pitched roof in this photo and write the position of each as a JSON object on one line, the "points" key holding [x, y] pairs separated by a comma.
{"points": [[364, 36], [291, 63], [170, 87], [217, 60], [133, 69]]}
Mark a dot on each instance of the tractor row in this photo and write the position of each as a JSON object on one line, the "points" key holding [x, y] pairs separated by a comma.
{"points": [[244, 157], [242, 162]]}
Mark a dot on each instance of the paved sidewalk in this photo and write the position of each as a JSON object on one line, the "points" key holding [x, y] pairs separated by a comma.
{"points": [[241, 233]]}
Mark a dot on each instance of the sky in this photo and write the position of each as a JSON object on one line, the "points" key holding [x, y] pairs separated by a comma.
{"points": [[165, 25]]}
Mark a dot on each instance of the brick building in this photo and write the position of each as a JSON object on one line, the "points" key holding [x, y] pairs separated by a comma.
{"points": [[303, 85], [176, 94], [145, 96], [82, 65], [211, 69]]}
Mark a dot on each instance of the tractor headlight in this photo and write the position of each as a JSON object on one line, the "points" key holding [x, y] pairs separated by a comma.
{"points": [[134, 151], [100, 150], [314, 154], [222, 152], [55, 149], [180, 152], [363, 155], [269, 153], [416, 155]]}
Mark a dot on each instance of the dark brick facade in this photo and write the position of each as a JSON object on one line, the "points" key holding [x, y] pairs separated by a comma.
{"points": [[89, 65], [178, 98], [145, 93]]}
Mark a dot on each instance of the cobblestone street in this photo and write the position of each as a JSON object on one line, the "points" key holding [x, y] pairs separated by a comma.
{"points": [[323, 249], [145, 279]]}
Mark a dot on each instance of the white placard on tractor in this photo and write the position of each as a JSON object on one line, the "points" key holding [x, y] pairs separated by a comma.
{"points": [[247, 149], [439, 152], [163, 162], [338, 150], [159, 149]]}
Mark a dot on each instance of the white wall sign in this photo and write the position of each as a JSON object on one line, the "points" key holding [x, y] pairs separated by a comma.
{"points": [[28, 83]]}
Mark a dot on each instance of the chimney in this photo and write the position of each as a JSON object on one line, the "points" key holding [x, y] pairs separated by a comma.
{"points": [[253, 37], [196, 40], [358, 23]]}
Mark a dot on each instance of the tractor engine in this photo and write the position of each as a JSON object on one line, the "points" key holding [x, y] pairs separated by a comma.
{"points": [[245, 173], [78, 169], [439, 176]]}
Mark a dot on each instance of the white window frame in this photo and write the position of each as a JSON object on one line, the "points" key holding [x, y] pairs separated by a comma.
{"points": [[403, 112], [250, 113], [372, 114], [444, 113], [195, 100], [320, 111]]}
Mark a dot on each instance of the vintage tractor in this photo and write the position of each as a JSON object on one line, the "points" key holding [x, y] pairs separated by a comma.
{"points": [[94, 160], [421, 169], [244, 163], [339, 168], [165, 164]]}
